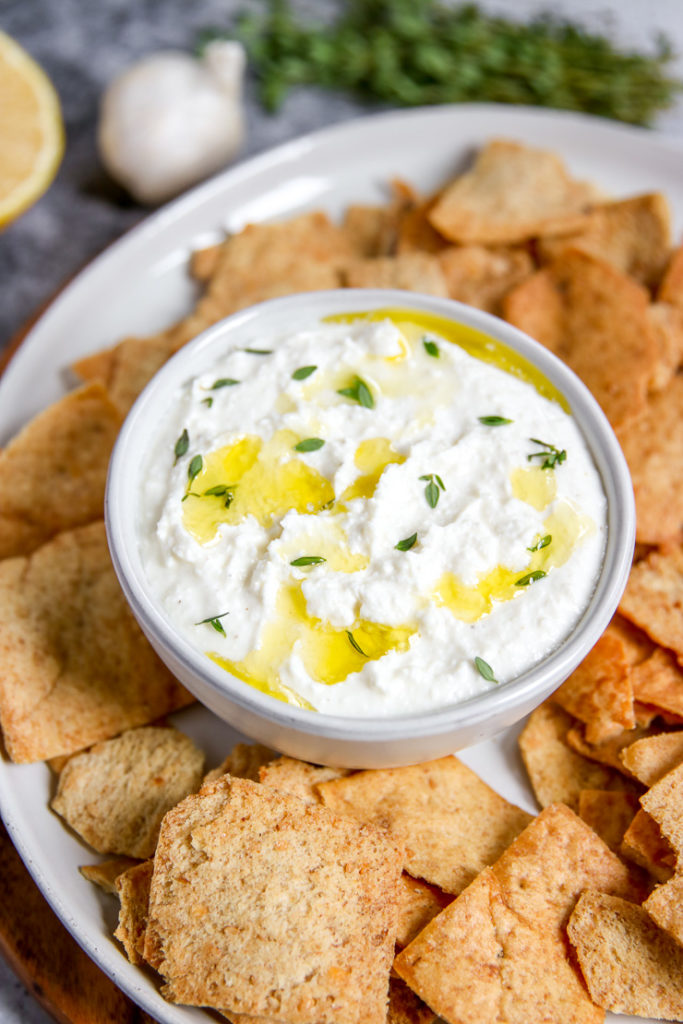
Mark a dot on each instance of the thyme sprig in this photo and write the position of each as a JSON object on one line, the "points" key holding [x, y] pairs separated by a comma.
{"points": [[551, 455], [433, 489], [215, 622]]}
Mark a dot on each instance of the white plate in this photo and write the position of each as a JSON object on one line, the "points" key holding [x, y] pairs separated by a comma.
{"points": [[140, 284]]}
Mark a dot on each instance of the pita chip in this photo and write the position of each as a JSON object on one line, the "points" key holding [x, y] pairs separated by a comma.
{"points": [[511, 193], [629, 964], [608, 751], [418, 904], [411, 271], [52, 474], [658, 681], [76, 667], [664, 802], [239, 869], [133, 888], [128, 368], [557, 773], [653, 446], [451, 823], [671, 288], [653, 598], [572, 308], [116, 794], [665, 907], [105, 874], [498, 951], [244, 761], [608, 813], [599, 691], [299, 777], [666, 322], [652, 757], [405, 1007], [645, 845], [633, 235], [481, 277]]}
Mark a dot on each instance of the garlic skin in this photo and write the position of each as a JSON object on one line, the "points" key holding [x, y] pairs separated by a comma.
{"points": [[172, 119]]}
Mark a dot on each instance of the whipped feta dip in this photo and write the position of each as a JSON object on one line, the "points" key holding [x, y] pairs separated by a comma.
{"points": [[382, 514]]}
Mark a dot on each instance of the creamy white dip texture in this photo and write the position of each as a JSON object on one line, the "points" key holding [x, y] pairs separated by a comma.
{"points": [[365, 519]]}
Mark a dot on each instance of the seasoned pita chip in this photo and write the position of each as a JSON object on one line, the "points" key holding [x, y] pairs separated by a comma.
{"points": [[452, 823], [133, 889], [203, 262], [242, 868], [608, 752], [629, 964], [659, 682], [298, 777], [116, 794], [76, 668], [105, 874], [405, 1007], [572, 308], [665, 907], [599, 692], [653, 446], [653, 598], [608, 813], [52, 474], [634, 235], [415, 233], [666, 322], [411, 271], [481, 277], [127, 368], [244, 761], [671, 288], [512, 193], [645, 845], [651, 758], [498, 951], [373, 230], [557, 773], [418, 904], [637, 644], [664, 802], [267, 260]]}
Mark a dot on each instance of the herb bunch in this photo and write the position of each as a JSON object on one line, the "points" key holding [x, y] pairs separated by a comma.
{"points": [[414, 52]]}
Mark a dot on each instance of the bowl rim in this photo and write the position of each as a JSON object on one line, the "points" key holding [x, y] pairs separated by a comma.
{"points": [[532, 685]]}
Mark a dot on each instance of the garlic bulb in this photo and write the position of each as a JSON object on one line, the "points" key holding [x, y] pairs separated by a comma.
{"points": [[172, 119]]}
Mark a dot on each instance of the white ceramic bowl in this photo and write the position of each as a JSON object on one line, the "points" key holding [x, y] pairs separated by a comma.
{"points": [[332, 739]]}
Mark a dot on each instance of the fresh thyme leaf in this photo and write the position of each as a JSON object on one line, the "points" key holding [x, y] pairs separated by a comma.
{"points": [[190, 494], [432, 492], [354, 643], [259, 351], [310, 444], [530, 577], [195, 467], [224, 382], [416, 52], [308, 560], [431, 348], [485, 670], [359, 392], [181, 445], [407, 544], [208, 402], [542, 543], [218, 491], [215, 622], [551, 455], [303, 372], [494, 421]]}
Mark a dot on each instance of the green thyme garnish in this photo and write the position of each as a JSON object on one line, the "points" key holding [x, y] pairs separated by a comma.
{"points": [[208, 402], [354, 643], [359, 392], [551, 455], [224, 382], [494, 421], [310, 444], [307, 560], [258, 351], [407, 544], [224, 491], [434, 482], [485, 670], [542, 543], [195, 467], [181, 445], [303, 372], [431, 348], [215, 622], [530, 577]]}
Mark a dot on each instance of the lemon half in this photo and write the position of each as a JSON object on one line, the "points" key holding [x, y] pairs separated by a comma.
{"points": [[31, 130]]}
